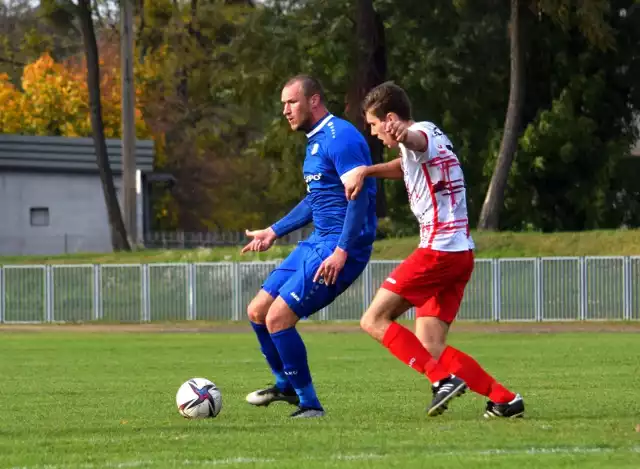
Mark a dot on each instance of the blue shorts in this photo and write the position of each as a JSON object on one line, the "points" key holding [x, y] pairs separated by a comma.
{"points": [[293, 279]]}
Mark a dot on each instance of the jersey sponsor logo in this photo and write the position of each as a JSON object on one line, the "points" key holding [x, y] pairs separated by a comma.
{"points": [[391, 280], [312, 177], [315, 148]]}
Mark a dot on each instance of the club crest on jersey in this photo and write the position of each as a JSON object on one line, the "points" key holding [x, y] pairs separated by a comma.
{"points": [[315, 148]]}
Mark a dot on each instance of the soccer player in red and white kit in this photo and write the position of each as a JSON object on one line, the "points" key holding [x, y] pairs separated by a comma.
{"points": [[434, 276]]}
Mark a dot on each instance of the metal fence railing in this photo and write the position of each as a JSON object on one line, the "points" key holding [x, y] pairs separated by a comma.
{"points": [[190, 240], [534, 289]]}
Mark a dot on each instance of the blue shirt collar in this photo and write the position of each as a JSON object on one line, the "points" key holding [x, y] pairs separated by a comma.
{"points": [[319, 125]]}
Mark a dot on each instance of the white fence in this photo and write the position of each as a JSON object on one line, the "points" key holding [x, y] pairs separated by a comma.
{"points": [[536, 289]]}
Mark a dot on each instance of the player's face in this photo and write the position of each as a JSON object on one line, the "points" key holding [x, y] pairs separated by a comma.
{"points": [[377, 130], [296, 107]]}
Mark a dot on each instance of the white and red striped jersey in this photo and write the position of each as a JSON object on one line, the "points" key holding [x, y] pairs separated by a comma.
{"points": [[436, 189]]}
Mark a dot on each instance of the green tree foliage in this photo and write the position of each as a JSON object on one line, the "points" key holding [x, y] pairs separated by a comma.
{"points": [[210, 74], [569, 153]]}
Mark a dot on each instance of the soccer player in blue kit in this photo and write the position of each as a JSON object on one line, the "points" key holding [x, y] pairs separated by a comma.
{"points": [[325, 264]]}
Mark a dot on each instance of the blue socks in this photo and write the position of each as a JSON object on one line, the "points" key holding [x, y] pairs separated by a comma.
{"points": [[293, 353], [270, 352]]}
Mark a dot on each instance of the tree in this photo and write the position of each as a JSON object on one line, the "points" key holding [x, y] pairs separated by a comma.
{"points": [[119, 238], [590, 17], [489, 216], [371, 70], [572, 171], [64, 12]]}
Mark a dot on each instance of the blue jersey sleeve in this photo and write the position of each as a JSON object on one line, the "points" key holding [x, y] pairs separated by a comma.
{"points": [[356, 214], [297, 218]]}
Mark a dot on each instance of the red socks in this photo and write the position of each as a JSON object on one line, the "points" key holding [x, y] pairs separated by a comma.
{"points": [[405, 346], [402, 343], [478, 380]]}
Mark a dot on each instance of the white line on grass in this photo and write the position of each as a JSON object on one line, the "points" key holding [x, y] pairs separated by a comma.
{"points": [[337, 457], [148, 463], [357, 457]]}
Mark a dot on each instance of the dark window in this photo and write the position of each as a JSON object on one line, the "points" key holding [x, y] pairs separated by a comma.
{"points": [[39, 216]]}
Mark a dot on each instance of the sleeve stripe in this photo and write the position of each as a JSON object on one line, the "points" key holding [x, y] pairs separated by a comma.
{"points": [[345, 175]]}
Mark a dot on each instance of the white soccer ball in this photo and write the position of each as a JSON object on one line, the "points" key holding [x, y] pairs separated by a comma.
{"points": [[199, 398]]}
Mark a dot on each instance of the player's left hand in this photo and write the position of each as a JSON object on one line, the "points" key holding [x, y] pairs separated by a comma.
{"points": [[331, 267], [397, 130], [354, 181]]}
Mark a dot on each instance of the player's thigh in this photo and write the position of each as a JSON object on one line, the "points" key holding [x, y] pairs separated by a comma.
{"points": [[280, 316], [445, 304], [306, 297], [281, 274], [426, 273], [413, 279]]}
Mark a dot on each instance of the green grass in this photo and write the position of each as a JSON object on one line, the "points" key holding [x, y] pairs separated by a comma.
{"points": [[90, 401], [489, 245]]}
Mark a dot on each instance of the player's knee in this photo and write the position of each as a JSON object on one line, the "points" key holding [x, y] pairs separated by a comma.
{"points": [[368, 323], [257, 312]]}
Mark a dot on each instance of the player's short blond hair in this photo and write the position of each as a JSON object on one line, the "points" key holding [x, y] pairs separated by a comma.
{"points": [[385, 98]]}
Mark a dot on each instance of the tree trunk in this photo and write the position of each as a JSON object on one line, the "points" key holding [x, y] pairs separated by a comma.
{"points": [[118, 233], [371, 71], [494, 200]]}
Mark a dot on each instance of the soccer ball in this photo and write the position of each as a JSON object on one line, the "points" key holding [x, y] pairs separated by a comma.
{"points": [[199, 398]]}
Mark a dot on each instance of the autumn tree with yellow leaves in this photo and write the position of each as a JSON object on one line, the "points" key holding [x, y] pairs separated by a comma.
{"points": [[53, 100]]}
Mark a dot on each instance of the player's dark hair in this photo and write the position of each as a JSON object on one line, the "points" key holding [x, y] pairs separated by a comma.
{"points": [[310, 86], [385, 98]]}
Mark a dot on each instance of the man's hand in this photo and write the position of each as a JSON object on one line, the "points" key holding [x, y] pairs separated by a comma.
{"points": [[353, 182], [398, 130], [262, 240], [331, 267]]}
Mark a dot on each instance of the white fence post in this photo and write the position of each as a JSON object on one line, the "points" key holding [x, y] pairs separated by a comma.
{"points": [[538, 286], [97, 292], [49, 293], [1, 295], [627, 288], [237, 292], [191, 291], [145, 313], [496, 289], [583, 288], [366, 287]]}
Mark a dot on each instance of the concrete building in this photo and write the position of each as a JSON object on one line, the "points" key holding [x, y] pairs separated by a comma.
{"points": [[51, 198]]}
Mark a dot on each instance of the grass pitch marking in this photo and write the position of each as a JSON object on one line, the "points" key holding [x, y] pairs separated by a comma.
{"points": [[338, 457]]}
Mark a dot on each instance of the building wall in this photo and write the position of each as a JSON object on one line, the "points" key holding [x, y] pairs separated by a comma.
{"points": [[77, 216]]}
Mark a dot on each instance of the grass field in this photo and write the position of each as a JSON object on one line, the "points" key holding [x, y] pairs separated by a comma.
{"points": [[489, 245], [88, 400]]}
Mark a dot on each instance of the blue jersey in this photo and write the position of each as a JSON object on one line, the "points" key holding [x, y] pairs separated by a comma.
{"points": [[334, 148]]}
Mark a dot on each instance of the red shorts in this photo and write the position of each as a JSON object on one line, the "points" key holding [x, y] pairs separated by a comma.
{"points": [[433, 281]]}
